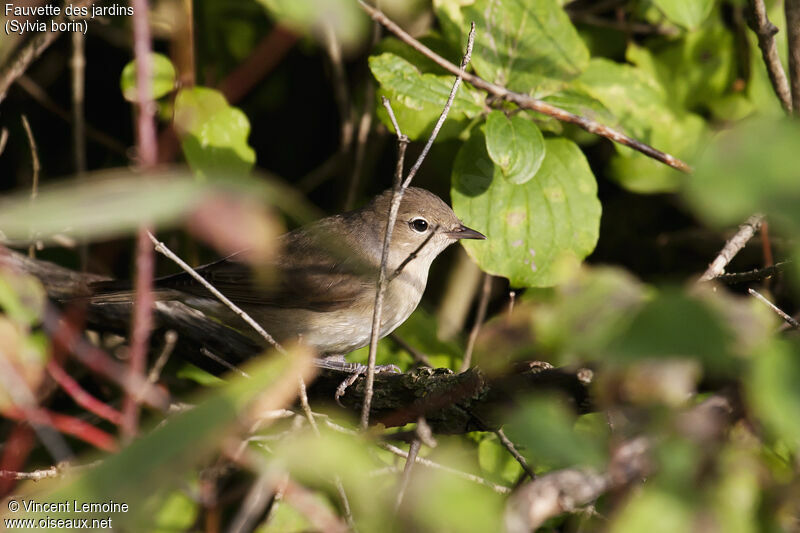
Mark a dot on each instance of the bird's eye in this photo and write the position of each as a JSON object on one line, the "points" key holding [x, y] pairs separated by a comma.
{"points": [[420, 225]]}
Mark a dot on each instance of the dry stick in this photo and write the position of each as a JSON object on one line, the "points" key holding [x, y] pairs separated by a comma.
{"points": [[29, 52], [752, 275], [147, 153], [418, 356], [765, 31], [732, 247], [413, 451], [512, 449], [397, 197], [3, 140], [36, 167], [78, 68], [523, 100], [792, 8], [780, 312], [254, 503], [480, 316], [170, 339], [340, 89]]}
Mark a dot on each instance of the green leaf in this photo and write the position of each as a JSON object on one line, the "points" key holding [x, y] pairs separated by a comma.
{"points": [[773, 392], [516, 145], [213, 133], [530, 47], [686, 13], [530, 228], [695, 70], [737, 177], [674, 512], [704, 335], [111, 204], [163, 78], [161, 458], [543, 427], [417, 99], [494, 459], [585, 314]]}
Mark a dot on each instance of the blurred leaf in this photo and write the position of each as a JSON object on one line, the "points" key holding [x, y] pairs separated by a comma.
{"points": [[199, 376], [543, 430], [737, 176], [530, 47], [112, 204], [421, 332], [772, 389], [736, 497], [640, 105], [344, 18], [586, 314], [176, 512], [495, 460], [531, 228], [674, 325], [687, 13], [515, 145], [163, 78], [22, 297], [438, 501], [158, 460], [417, 99], [673, 512], [695, 70], [213, 133], [286, 519]]}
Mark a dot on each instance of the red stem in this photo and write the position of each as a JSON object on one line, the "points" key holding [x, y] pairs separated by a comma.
{"points": [[68, 425], [81, 397]]}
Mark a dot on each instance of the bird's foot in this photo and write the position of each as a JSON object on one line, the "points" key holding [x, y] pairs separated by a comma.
{"points": [[356, 370]]}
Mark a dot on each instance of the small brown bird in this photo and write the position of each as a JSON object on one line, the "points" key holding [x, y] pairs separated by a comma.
{"points": [[326, 276]]}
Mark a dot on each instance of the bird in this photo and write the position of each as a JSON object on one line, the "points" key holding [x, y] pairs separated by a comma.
{"points": [[324, 277]]}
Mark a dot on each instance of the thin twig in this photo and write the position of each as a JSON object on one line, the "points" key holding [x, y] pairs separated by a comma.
{"points": [[3, 139], [792, 8], [732, 247], [765, 31], [413, 451], [78, 68], [397, 197], [147, 152], [418, 356], [523, 100], [500, 489], [254, 503], [780, 312], [480, 316], [161, 248], [757, 274], [340, 89], [170, 339], [35, 168], [512, 449]]}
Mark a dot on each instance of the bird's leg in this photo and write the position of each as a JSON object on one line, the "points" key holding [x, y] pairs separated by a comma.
{"points": [[356, 370]]}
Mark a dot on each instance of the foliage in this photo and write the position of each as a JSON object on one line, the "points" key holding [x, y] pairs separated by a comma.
{"points": [[600, 244]]}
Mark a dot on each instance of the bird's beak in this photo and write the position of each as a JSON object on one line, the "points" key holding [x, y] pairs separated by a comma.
{"points": [[463, 232]]}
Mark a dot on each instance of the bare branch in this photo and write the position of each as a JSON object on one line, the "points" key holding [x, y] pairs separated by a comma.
{"points": [[752, 275], [732, 247], [780, 312], [411, 458], [792, 8], [397, 197], [765, 31], [523, 100], [512, 449]]}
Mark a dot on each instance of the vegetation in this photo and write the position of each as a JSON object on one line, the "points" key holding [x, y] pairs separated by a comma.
{"points": [[602, 376]]}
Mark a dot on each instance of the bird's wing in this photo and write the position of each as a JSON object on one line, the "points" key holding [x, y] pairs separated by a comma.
{"points": [[314, 271]]}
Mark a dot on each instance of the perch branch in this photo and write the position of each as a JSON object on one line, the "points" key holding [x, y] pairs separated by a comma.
{"points": [[752, 275], [780, 312], [523, 100]]}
